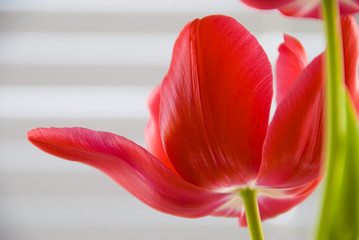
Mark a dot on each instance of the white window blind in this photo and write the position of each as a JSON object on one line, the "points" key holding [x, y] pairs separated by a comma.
{"points": [[92, 64]]}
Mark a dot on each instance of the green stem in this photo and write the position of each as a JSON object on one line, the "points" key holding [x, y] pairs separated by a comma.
{"points": [[249, 197], [336, 110]]}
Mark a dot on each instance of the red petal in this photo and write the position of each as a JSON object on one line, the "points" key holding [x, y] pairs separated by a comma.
{"points": [[265, 4], [152, 132], [299, 8], [131, 166], [348, 7], [291, 61], [215, 103], [303, 8], [351, 56], [293, 146]]}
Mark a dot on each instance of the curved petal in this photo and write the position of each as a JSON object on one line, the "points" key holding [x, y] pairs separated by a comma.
{"points": [[291, 62], [301, 8], [305, 8], [348, 7], [215, 103], [351, 56], [129, 165], [152, 131], [293, 146], [265, 4]]}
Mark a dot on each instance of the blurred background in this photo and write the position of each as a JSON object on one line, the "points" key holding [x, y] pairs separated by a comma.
{"points": [[92, 63]]}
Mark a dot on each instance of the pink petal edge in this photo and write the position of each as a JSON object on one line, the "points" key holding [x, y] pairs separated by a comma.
{"points": [[290, 63], [131, 166]]}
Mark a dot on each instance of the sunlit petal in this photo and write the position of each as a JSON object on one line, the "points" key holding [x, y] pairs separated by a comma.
{"points": [[215, 103]]}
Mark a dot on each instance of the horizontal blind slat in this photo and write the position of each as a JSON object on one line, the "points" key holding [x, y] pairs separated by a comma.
{"points": [[149, 22], [81, 75], [16, 128], [100, 49], [125, 5], [74, 102]]}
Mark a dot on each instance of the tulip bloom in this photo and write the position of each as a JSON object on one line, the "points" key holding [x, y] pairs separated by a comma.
{"points": [[208, 136], [302, 8]]}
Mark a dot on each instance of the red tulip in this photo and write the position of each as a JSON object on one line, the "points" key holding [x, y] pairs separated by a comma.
{"points": [[302, 8], [208, 136]]}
